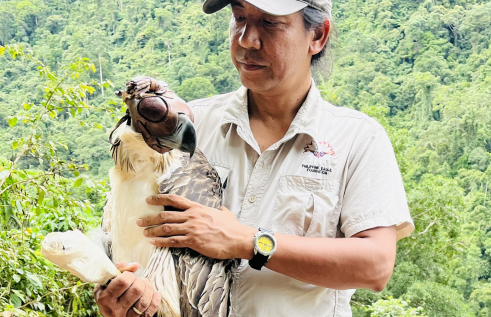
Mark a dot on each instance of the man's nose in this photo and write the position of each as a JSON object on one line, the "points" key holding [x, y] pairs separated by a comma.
{"points": [[249, 37]]}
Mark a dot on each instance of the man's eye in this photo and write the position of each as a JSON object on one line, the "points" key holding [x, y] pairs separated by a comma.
{"points": [[269, 23], [239, 18]]}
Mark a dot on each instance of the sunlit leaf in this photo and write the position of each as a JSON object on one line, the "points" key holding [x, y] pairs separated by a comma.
{"points": [[39, 306], [16, 278], [78, 182], [35, 280], [15, 300], [41, 194], [18, 205], [4, 175], [12, 121]]}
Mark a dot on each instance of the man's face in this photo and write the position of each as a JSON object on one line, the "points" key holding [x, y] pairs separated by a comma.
{"points": [[271, 53]]}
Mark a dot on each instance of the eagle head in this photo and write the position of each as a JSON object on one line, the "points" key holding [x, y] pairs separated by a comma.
{"points": [[164, 120]]}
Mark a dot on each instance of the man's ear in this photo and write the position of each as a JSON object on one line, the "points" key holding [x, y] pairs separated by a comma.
{"points": [[319, 38]]}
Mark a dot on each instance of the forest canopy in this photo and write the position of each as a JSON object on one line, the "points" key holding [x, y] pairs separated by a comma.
{"points": [[421, 68]]}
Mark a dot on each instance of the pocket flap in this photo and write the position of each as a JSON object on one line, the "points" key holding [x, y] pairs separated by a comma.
{"points": [[305, 206]]}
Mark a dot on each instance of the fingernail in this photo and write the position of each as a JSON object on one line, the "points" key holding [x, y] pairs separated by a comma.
{"points": [[132, 263], [149, 199], [139, 222], [152, 241], [145, 232]]}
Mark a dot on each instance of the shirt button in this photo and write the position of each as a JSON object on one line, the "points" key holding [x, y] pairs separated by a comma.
{"points": [[252, 198]]}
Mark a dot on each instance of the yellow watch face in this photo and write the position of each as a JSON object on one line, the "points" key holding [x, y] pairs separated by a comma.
{"points": [[265, 244]]}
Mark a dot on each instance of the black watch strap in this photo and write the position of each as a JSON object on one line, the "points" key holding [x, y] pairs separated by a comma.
{"points": [[258, 261]]}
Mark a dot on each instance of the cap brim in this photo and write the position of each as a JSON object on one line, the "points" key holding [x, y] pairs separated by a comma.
{"points": [[273, 7], [278, 7], [212, 6]]}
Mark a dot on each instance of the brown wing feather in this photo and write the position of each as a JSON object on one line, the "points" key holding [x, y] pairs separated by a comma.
{"points": [[196, 180], [201, 286]]}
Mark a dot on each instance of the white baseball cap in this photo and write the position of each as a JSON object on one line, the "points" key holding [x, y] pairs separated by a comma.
{"points": [[274, 7]]}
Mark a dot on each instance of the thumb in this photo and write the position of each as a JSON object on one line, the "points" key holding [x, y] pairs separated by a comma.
{"points": [[222, 208], [130, 267], [170, 200]]}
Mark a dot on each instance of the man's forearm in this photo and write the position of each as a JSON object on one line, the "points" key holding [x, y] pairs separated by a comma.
{"points": [[365, 260]]}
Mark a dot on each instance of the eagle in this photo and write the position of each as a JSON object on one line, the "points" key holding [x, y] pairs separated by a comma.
{"points": [[154, 151]]}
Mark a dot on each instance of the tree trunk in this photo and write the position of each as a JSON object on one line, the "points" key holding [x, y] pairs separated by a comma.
{"points": [[100, 73], [486, 193], [168, 50]]}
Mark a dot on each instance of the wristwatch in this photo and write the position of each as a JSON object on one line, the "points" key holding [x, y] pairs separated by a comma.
{"points": [[264, 247]]}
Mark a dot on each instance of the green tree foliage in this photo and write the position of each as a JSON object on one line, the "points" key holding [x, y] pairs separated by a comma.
{"points": [[421, 68], [194, 88], [438, 299], [393, 307], [38, 196]]}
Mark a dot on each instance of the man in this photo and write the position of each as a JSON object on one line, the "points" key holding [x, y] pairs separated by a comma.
{"points": [[323, 179]]}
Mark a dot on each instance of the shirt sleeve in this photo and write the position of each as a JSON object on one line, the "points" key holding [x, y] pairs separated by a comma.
{"points": [[374, 193]]}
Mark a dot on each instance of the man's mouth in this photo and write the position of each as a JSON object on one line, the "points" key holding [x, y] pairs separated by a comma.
{"points": [[250, 66]]}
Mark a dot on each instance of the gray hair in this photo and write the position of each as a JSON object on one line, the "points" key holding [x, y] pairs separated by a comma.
{"points": [[314, 19]]}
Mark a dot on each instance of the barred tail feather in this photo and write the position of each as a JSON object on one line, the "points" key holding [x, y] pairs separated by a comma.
{"points": [[161, 271]]}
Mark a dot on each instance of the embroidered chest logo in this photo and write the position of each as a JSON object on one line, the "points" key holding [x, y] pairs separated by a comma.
{"points": [[318, 157]]}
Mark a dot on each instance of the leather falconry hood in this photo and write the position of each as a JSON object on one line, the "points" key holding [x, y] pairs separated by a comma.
{"points": [[164, 120]]}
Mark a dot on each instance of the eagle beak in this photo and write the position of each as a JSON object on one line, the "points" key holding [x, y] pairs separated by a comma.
{"points": [[183, 138]]}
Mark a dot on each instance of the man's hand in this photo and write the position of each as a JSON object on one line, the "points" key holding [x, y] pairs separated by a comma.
{"points": [[215, 233], [139, 85], [125, 292]]}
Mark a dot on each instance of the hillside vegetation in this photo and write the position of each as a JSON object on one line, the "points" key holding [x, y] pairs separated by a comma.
{"points": [[422, 68]]}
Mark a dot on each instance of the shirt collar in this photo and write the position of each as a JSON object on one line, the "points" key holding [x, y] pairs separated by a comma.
{"points": [[236, 113]]}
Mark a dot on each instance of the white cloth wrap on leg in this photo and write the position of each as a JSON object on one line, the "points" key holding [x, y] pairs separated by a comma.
{"points": [[74, 252]]}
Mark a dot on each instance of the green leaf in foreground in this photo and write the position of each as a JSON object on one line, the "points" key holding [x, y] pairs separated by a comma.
{"points": [[4, 175], [78, 182], [12, 121]]}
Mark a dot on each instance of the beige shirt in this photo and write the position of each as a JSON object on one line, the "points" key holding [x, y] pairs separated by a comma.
{"points": [[332, 175]]}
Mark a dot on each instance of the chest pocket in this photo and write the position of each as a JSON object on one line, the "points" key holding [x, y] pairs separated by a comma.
{"points": [[305, 206]]}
